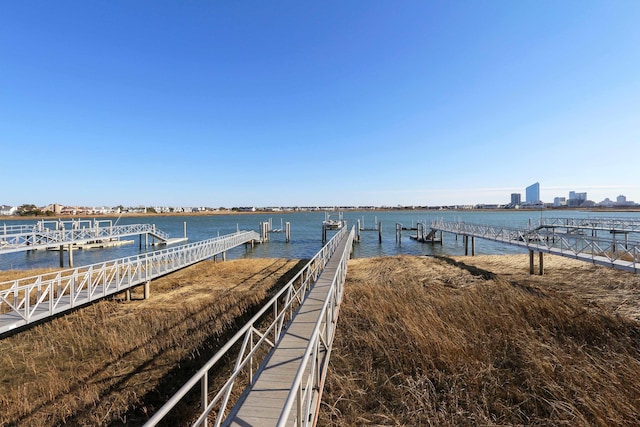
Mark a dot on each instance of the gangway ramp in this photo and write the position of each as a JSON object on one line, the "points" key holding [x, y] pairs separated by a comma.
{"points": [[287, 386], [33, 299]]}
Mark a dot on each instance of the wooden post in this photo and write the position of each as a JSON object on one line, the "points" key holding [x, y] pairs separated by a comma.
{"points": [[147, 290], [140, 242], [61, 256], [70, 255], [224, 256], [541, 256], [441, 237], [358, 233], [185, 229], [380, 232], [127, 294], [324, 233], [287, 232], [465, 239], [530, 261], [473, 246], [146, 240]]}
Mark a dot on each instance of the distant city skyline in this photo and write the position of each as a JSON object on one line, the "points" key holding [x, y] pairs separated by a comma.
{"points": [[317, 103]]}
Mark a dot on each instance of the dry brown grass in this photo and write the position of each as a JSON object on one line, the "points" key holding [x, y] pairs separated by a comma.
{"points": [[421, 341], [426, 341], [111, 362]]}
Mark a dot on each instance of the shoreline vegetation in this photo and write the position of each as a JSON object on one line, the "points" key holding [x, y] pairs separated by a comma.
{"points": [[420, 341]]}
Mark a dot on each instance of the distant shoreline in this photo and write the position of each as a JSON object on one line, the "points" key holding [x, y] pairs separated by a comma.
{"points": [[287, 212]]}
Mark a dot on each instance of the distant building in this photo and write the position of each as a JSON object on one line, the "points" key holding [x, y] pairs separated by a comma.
{"points": [[533, 194], [622, 201], [576, 199], [8, 210], [516, 199], [559, 201]]}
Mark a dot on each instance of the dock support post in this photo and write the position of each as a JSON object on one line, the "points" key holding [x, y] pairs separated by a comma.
{"points": [[140, 242], [473, 246], [147, 289], [358, 233], [465, 239], [530, 261], [287, 233], [441, 237], [398, 233], [324, 233], [61, 256], [541, 256], [127, 295], [185, 229], [224, 256], [379, 232], [70, 255]]}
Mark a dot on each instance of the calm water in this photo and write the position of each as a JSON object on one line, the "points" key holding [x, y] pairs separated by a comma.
{"points": [[306, 234]]}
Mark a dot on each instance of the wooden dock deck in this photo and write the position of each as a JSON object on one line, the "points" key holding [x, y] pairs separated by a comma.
{"points": [[262, 404]]}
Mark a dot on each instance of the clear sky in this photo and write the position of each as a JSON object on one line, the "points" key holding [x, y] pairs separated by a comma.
{"points": [[241, 103]]}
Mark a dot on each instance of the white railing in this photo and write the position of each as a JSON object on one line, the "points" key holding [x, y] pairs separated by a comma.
{"points": [[252, 338], [26, 300], [619, 224], [39, 236], [622, 253], [308, 384]]}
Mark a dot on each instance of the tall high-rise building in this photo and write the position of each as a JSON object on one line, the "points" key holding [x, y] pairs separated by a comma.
{"points": [[533, 194], [516, 199]]}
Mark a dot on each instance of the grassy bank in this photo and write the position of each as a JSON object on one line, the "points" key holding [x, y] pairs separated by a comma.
{"points": [[421, 341], [477, 341], [114, 361]]}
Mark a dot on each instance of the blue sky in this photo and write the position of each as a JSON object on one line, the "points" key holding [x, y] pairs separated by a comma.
{"points": [[221, 103]]}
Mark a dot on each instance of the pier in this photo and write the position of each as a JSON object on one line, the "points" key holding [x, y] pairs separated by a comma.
{"points": [[608, 252], [69, 235], [34, 299], [285, 386]]}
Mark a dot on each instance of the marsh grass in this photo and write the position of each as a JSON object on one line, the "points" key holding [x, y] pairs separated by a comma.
{"points": [[114, 362], [420, 341], [427, 341]]}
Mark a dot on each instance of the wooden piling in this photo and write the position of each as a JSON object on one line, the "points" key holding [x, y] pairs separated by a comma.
{"points": [[473, 246], [541, 260], [287, 233], [465, 239], [380, 232], [61, 256], [147, 290], [70, 255], [530, 261]]}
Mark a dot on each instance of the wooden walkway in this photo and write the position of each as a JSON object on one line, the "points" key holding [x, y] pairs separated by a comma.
{"points": [[262, 404]]}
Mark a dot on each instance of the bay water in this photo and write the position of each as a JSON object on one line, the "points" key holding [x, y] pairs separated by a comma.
{"points": [[306, 234]]}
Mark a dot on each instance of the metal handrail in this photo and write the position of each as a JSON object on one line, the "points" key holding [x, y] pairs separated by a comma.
{"points": [[38, 297], [628, 224], [617, 253], [37, 237], [322, 336], [282, 305]]}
